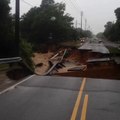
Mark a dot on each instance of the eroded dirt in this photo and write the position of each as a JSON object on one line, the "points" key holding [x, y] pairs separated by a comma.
{"points": [[73, 58]]}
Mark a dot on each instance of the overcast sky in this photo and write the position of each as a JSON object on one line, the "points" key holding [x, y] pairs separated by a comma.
{"points": [[97, 12]]}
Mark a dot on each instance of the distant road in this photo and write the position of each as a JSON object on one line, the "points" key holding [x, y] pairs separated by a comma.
{"points": [[62, 98], [95, 45]]}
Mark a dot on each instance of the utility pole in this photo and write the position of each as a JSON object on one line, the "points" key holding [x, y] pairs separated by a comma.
{"points": [[76, 24], [17, 30], [89, 28], [81, 18], [85, 24]]}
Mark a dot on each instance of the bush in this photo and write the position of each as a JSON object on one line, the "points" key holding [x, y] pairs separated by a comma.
{"points": [[26, 53]]}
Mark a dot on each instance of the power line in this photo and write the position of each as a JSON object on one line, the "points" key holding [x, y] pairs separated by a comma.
{"points": [[75, 6], [86, 21], [12, 1], [71, 5], [65, 1], [83, 16], [80, 13], [27, 3]]}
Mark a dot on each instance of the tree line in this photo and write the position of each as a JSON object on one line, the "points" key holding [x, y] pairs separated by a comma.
{"points": [[49, 23], [46, 24], [112, 30], [7, 42]]}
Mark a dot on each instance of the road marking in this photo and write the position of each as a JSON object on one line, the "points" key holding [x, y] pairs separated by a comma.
{"points": [[74, 113], [84, 109], [13, 86]]}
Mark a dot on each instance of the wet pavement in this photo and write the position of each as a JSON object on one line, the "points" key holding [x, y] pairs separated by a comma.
{"points": [[104, 99], [94, 46], [54, 98]]}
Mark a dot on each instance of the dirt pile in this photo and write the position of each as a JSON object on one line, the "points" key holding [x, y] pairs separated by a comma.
{"points": [[41, 63], [73, 56]]}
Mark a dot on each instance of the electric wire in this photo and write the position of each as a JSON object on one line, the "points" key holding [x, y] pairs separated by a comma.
{"points": [[27, 3], [69, 3]]}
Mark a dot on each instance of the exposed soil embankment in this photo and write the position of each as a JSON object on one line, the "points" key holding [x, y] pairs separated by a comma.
{"points": [[111, 72], [12, 75], [73, 58], [99, 69], [41, 62]]}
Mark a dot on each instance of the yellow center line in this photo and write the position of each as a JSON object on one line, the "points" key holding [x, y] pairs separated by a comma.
{"points": [[74, 113], [84, 109]]}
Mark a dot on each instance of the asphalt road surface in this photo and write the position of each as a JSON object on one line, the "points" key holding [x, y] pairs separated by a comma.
{"points": [[95, 45], [62, 98]]}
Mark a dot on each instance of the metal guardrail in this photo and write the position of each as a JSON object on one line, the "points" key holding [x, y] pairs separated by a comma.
{"points": [[55, 64], [10, 60], [51, 69]]}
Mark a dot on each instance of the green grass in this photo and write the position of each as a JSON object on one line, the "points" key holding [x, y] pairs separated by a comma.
{"points": [[4, 67], [114, 50]]}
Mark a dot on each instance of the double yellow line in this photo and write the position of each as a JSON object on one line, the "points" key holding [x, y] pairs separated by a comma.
{"points": [[84, 109]]}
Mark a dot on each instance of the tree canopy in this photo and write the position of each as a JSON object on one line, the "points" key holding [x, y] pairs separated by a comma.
{"points": [[112, 30], [46, 3], [38, 25], [6, 30], [117, 13]]}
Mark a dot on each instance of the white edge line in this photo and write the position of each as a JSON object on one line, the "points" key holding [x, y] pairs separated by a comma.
{"points": [[13, 86]]}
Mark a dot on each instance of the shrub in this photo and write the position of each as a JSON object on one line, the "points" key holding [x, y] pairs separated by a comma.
{"points": [[26, 53]]}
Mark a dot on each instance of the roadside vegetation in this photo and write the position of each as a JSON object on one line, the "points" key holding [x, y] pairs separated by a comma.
{"points": [[46, 24], [49, 24], [26, 53], [114, 51], [42, 28], [7, 41], [4, 67], [112, 29]]}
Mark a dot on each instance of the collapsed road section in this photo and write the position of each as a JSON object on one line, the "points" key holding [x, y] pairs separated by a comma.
{"points": [[92, 59]]}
